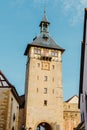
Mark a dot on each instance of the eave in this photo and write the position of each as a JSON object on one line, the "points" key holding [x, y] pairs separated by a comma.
{"points": [[31, 45]]}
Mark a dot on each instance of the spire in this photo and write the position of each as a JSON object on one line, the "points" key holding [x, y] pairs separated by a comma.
{"points": [[44, 23], [45, 18]]}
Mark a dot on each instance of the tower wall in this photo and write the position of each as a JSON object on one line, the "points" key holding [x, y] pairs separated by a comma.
{"points": [[44, 98]]}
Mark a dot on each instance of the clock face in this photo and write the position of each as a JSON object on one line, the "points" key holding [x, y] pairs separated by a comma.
{"points": [[45, 66]]}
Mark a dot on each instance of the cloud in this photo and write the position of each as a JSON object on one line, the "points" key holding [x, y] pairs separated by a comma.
{"points": [[74, 9]]}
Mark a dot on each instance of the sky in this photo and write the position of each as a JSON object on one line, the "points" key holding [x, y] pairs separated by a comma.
{"points": [[19, 24]]}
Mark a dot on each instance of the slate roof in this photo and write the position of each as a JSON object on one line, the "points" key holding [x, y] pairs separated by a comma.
{"points": [[44, 20], [44, 40]]}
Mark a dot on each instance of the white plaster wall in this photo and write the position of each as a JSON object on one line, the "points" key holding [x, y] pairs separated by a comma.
{"points": [[74, 100]]}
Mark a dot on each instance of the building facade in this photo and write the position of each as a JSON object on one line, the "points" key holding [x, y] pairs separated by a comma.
{"points": [[43, 90], [71, 113], [42, 106], [83, 75], [9, 105]]}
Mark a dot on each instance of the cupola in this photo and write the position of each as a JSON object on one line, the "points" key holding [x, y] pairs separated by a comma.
{"points": [[44, 24]]}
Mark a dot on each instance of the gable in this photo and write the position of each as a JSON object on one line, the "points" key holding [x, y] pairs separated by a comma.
{"points": [[73, 99], [3, 81]]}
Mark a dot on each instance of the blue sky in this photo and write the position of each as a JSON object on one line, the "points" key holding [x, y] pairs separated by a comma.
{"points": [[19, 24]]}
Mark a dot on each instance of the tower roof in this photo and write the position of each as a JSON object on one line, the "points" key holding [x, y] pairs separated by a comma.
{"points": [[44, 40]]}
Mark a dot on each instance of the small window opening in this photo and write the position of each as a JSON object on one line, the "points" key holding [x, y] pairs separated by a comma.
{"points": [[45, 78], [45, 90], [45, 102], [53, 66], [14, 117], [38, 64], [37, 77]]}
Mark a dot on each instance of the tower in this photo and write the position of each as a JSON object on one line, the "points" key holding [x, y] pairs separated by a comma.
{"points": [[43, 86]]}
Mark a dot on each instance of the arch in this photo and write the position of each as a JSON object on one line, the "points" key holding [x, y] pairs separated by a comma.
{"points": [[43, 126]]}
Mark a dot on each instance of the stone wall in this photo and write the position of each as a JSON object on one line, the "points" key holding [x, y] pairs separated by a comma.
{"points": [[9, 110], [71, 116]]}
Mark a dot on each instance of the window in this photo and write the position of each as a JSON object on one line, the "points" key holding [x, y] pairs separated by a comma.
{"points": [[46, 58], [11, 99], [45, 78], [14, 117], [37, 77], [56, 54], [69, 106], [13, 128], [75, 114], [45, 90], [23, 127], [45, 102], [53, 53], [53, 66], [37, 51], [53, 91], [53, 79], [38, 64], [37, 90]]}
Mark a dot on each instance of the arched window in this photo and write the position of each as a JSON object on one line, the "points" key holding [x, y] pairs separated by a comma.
{"points": [[14, 117], [13, 128]]}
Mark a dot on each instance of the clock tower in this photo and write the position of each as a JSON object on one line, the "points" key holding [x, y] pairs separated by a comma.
{"points": [[43, 85]]}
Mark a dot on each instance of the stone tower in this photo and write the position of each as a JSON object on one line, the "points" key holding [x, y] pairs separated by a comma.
{"points": [[43, 86]]}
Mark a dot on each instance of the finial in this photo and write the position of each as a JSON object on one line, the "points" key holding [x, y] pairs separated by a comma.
{"points": [[44, 10], [45, 17]]}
